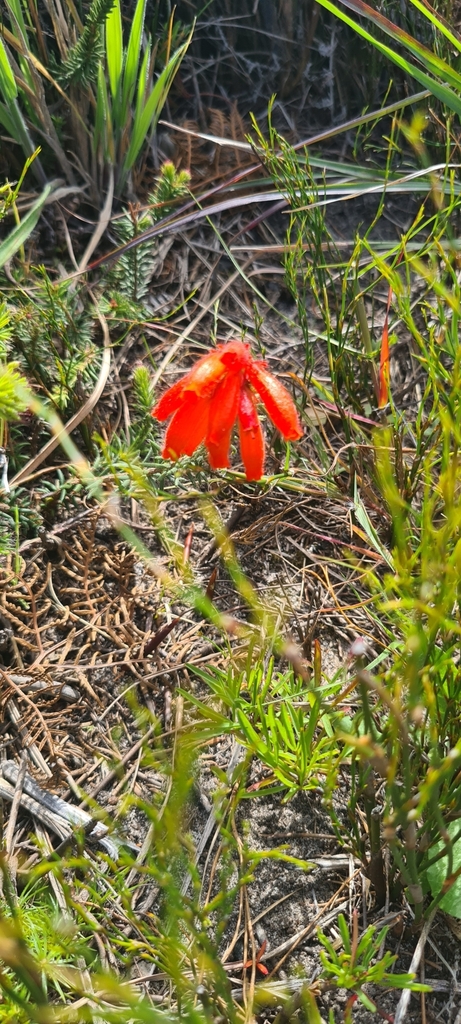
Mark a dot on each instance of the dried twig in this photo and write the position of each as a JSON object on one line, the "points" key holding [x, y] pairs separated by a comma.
{"points": [[404, 1000], [15, 804]]}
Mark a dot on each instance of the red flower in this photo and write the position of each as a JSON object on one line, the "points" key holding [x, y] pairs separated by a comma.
{"points": [[216, 392]]}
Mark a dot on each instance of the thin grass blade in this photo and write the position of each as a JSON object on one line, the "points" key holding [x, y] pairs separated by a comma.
{"points": [[103, 133], [10, 113], [7, 120], [16, 45], [99, 116], [431, 61], [364, 521], [130, 76], [7, 80], [13, 121], [146, 117], [19, 28], [442, 92], [114, 48], [20, 233], [438, 22], [15, 11], [142, 84]]}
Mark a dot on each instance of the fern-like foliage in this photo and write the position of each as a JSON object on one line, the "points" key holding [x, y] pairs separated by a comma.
{"points": [[133, 272], [171, 185], [118, 307], [145, 436], [11, 381], [5, 329], [52, 339], [11, 401], [82, 61], [143, 391]]}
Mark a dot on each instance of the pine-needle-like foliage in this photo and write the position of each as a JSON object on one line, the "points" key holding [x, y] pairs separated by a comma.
{"points": [[11, 403], [144, 395], [53, 340], [144, 398], [11, 381], [172, 184], [134, 271], [81, 64], [5, 329]]}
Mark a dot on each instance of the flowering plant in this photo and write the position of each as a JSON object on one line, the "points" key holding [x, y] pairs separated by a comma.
{"points": [[219, 390]]}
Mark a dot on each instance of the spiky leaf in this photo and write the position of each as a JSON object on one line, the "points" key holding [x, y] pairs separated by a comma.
{"points": [[83, 59], [11, 383]]}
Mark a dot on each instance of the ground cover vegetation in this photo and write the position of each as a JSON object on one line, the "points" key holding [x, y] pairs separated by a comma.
{"points": [[211, 682]]}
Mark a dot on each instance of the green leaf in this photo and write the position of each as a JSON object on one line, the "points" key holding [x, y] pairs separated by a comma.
{"points": [[437, 874], [8, 121], [18, 235], [10, 114], [442, 92], [12, 386], [312, 723], [7, 80], [132, 59], [19, 28], [366, 1001], [142, 84], [103, 131], [100, 113], [364, 520], [429, 58], [114, 47], [439, 23], [16, 15], [146, 118], [342, 925], [286, 727], [11, 117]]}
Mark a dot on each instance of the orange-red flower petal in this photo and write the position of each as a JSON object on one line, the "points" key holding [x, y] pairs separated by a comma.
{"points": [[218, 451], [223, 414], [277, 400], [235, 355], [169, 402], [188, 427], [250, 436], [201, 379], [224, 407], [206, 402], [205, 375]]}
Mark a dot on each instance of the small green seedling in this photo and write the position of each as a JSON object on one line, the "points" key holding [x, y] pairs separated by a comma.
{"points": [[359, 962]]}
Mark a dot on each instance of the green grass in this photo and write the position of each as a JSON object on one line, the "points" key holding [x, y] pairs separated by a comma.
{"points": [[92, 88], [384, 729]]}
